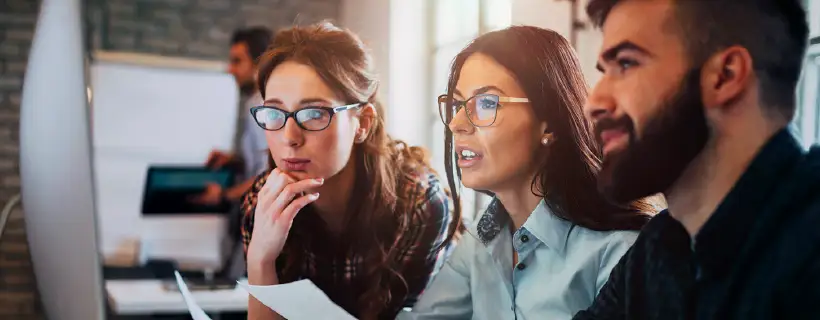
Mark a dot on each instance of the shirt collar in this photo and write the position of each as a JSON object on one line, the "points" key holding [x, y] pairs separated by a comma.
{"points": [[550, 229]]}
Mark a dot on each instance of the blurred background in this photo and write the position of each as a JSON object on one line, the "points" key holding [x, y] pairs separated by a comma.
{"points": [[135, 44]]}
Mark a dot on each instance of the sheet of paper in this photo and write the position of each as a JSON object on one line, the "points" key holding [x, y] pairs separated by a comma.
{"points": [[297, 301], [196, 312]]}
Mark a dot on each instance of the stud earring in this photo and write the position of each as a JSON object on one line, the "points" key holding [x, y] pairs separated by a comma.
{"points": [[545, 141]]}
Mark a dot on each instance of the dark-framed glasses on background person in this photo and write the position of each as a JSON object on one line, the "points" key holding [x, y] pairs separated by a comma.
{"points": [[310, 118], [481, 109]]}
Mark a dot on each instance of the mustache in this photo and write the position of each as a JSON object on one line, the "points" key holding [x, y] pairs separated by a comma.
{"points": [[622, 122]]}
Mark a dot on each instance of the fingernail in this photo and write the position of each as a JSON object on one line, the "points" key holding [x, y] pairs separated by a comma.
{"points": [[314, 196], [319, 180]]}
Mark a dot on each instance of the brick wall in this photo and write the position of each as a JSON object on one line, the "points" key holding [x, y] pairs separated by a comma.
{"points": [[193, 28], [188, 28], [18, 298]]}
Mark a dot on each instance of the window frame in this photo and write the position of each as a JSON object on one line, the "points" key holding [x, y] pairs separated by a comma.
{"points": [[807, 116]]}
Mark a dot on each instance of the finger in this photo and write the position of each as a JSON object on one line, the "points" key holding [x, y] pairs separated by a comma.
{"points": [[290, 192], [286, 218], [274, 185], [220, 161], [211, 158], [289, 176]]}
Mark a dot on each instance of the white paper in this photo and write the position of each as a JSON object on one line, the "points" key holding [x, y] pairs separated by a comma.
{"points": [[297, 301], [196, 312]]}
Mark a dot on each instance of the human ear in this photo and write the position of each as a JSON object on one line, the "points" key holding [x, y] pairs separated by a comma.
{"points": [[726, 76], [367, 115]]}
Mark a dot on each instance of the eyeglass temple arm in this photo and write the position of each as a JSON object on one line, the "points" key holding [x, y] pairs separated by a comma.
{"points": [[513, 100], [348, 107]]}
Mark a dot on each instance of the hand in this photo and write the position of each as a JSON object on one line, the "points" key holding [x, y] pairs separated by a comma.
{"points": [[277, 203], [211, 196], [218, 159]]}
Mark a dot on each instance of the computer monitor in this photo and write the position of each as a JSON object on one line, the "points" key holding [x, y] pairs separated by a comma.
{"points": [[56, 169]]}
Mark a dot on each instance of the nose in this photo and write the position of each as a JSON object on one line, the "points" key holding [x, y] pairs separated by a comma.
{"points": [[600, 103], [460, 123], [292, 134]]}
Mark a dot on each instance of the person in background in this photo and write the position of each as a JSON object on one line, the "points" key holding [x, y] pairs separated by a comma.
{"points": [[361, 215], [548, 240], [250, 153], [695, 102]]}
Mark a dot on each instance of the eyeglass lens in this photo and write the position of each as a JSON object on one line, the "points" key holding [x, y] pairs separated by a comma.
{"points": [[481, 109], [308, 118]]}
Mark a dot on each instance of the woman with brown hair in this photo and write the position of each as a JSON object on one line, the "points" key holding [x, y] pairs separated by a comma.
{"points": [[516, 130], [361, 215]]}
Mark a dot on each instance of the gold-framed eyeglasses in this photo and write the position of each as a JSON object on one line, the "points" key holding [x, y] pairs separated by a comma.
{"points": [[481, 109]]}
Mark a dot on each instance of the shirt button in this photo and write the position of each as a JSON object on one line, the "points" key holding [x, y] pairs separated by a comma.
{"points": [[521, 266], [525, 238]]}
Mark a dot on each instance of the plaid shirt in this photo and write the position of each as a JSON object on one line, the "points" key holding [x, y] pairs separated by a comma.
{"points": [[427, 223]]}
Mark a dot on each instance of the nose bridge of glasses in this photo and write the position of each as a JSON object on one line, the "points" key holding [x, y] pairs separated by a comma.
{"points": [[460, 121]]}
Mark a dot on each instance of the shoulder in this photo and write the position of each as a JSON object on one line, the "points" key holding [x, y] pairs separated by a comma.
{"points": [[423, 194], [602, 238], [605, 245]]}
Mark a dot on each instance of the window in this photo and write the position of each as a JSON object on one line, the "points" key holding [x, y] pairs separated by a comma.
{"points": [[456, 23], [807, 118]]}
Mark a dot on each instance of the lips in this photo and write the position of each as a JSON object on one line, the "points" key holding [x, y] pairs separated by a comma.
{"points": [[467, 157], [613, 132], [611, 138], [295, 164]]}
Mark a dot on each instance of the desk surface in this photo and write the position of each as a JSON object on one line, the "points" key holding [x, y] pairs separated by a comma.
{"points": [[135, 297]]}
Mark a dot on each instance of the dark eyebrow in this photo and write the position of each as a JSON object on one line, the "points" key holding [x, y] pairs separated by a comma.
{"points": [[272, 101], [610, 54], [485, 89], [481, 90]]}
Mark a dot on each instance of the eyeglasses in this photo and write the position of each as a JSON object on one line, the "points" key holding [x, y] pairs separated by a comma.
{"points": [[481, 109], [310, 119]]}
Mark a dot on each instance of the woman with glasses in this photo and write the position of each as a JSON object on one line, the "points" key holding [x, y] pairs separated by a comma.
{"points": [[548, 240], [359, 214]]}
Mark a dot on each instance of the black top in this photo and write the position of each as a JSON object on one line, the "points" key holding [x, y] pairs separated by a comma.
{"points": [[757, 257]]}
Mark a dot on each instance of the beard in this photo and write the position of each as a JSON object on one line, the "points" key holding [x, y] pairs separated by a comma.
{"points": [[247, 88], [670, 141]]}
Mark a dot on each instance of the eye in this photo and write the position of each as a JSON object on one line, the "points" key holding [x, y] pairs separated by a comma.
{"points": [[487, 103], [625, 64], [314, 114]]}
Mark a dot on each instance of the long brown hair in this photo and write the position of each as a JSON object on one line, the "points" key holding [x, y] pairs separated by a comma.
{"points": [[378, 213], [549, 72]]}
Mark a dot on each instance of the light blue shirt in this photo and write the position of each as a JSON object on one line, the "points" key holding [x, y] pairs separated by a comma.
{"points": [[253, 148], [561, 267]]}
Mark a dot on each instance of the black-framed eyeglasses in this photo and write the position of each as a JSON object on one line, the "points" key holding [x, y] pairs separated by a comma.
{"points": [[310, 119], [481, 109]]}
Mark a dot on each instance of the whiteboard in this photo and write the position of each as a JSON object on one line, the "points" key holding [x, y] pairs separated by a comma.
{"points": [[150, 110]]}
